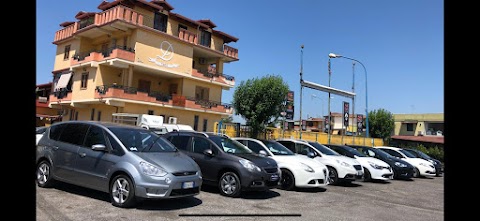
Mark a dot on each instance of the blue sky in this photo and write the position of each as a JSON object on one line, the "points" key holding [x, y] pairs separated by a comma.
{"points": [[400, 43]]}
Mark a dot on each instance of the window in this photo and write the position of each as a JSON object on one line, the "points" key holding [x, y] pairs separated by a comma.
{"points": [[99, 116], [200, 144], [393, 153], [195, 122], [116, 148], [205, 121], [160, 22], [84, 80], [180, 26], [125, 42], [164, 119], [56, 130], [409, 127], [205, 38], [74, 133], [252, 145], [172, 89], [95, 136], [76, 115], [181, 142], [92, 114], [201, 93], [72, 115], [66, 54], [150, 112]]}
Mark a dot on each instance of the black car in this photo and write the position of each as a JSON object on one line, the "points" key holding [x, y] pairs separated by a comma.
{"points": [[435, 162], [401, 169], [226, 163]]}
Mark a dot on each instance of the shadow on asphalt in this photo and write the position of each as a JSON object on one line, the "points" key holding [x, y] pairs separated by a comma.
{"points": [[260, 195], [169, 204], [310, 190], [380, 181], [146, 204], [347, 184], [407, 180]]}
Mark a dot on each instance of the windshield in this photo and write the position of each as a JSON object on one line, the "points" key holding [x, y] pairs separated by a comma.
{"points": [[230, 146], [381, 153], [277, 148], [325, 150], [355, 152], [142, 140], [408, 154]]}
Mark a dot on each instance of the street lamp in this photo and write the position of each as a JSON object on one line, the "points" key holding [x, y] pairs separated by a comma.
{"points": [[332, 55]]}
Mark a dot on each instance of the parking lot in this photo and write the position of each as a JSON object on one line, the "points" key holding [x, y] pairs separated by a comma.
{"points": [[417, 199]]}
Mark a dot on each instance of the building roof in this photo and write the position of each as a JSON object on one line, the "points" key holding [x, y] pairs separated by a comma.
{"points": [[428, 139]]}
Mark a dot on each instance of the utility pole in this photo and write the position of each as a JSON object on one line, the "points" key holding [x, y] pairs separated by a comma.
{"points": [[301, 89]]}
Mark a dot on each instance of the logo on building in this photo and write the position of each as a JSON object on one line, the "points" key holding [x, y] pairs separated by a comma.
{"points": [[166, 50]]}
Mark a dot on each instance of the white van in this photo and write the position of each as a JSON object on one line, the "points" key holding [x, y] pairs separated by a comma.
{"points": [[150, 122]]}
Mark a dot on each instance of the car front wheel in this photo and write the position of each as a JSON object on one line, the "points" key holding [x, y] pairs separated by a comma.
{"points": [[416, 173], [367, 176], [332, 176], [288, 180], [122, 191], [229, 184], [44, 175]]}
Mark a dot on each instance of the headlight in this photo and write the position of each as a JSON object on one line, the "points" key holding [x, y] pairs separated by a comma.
{"points": [[398, 164], [152, 170], [434, 163], [249, 165], [343, 163], [375, 165], [307, 168]]}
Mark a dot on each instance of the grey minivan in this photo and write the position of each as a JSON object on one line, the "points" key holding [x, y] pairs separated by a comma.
{"points": [[128, 162]]}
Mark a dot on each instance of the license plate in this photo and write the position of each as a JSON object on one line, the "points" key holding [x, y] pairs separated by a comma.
{"points": [[274, 177], [186, 185]]}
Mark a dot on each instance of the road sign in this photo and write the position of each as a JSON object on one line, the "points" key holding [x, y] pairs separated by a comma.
{"points": [[346, 108]]}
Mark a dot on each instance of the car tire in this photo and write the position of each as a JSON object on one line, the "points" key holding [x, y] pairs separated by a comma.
{"points": [[416, 172], [229, 185], [122, 191], [288, 180], [332, 176], [367, 176], [44, 174]]}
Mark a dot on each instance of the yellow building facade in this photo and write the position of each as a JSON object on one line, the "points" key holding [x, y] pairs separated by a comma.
{"points": [[419, 124], [140, 57]]}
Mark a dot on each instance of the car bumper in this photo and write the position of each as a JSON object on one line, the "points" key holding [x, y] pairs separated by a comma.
{"points": [[153, 188], [403, 173], [260, 180], [349, 174], [311, 180], [383, 174]]}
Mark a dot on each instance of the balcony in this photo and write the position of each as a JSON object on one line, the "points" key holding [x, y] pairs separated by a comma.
{"points": [[132, 93], [120, 52], [212, 75], [60, 95]]}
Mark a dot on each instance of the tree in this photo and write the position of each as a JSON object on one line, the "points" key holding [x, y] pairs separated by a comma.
{"points": [[381, 124], [228, 119], [259, 101]]}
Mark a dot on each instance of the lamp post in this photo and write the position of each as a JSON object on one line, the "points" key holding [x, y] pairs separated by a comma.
{"points": [[332, 55]]}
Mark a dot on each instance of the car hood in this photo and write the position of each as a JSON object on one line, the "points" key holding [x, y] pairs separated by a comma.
{"points": [[170, 161], [297, 159], [373, 160], [345, 159], [417, 161], [259, 160]]}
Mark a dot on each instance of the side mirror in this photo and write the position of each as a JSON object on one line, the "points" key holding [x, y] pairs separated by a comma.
{"points": [[263, 153], [99, 147], [208, 152], [311, 154]]}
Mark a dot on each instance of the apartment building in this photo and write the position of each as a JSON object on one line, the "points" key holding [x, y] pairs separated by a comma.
{"points": [[138, 56]]}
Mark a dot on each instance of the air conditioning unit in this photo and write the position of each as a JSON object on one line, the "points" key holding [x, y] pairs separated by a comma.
{"points": [[202, 60], [172, 120]]}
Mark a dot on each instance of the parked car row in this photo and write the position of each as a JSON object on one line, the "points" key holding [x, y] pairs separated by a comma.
{"points": [[132, 163]]}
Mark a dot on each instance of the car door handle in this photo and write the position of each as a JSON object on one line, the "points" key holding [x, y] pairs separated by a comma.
{"points": [[82, 154]]}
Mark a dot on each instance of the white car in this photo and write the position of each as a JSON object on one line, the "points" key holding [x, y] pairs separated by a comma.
{"points": [[297, 170], [39, 132], [422, 167], [375, 169], [340, 168]]}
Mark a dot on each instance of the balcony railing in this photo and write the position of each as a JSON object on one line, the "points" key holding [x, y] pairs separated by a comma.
{"points": [[130, 16], [121, 52], [120, 91], [214, 75]]}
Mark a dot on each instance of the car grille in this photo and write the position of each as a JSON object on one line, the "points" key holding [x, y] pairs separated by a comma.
{"points": [[181, 192], [185, 173], [271, 170], [357, 167]]}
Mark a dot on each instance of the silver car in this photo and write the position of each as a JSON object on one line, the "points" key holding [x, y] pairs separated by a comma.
{"points": [[127, 162]]}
